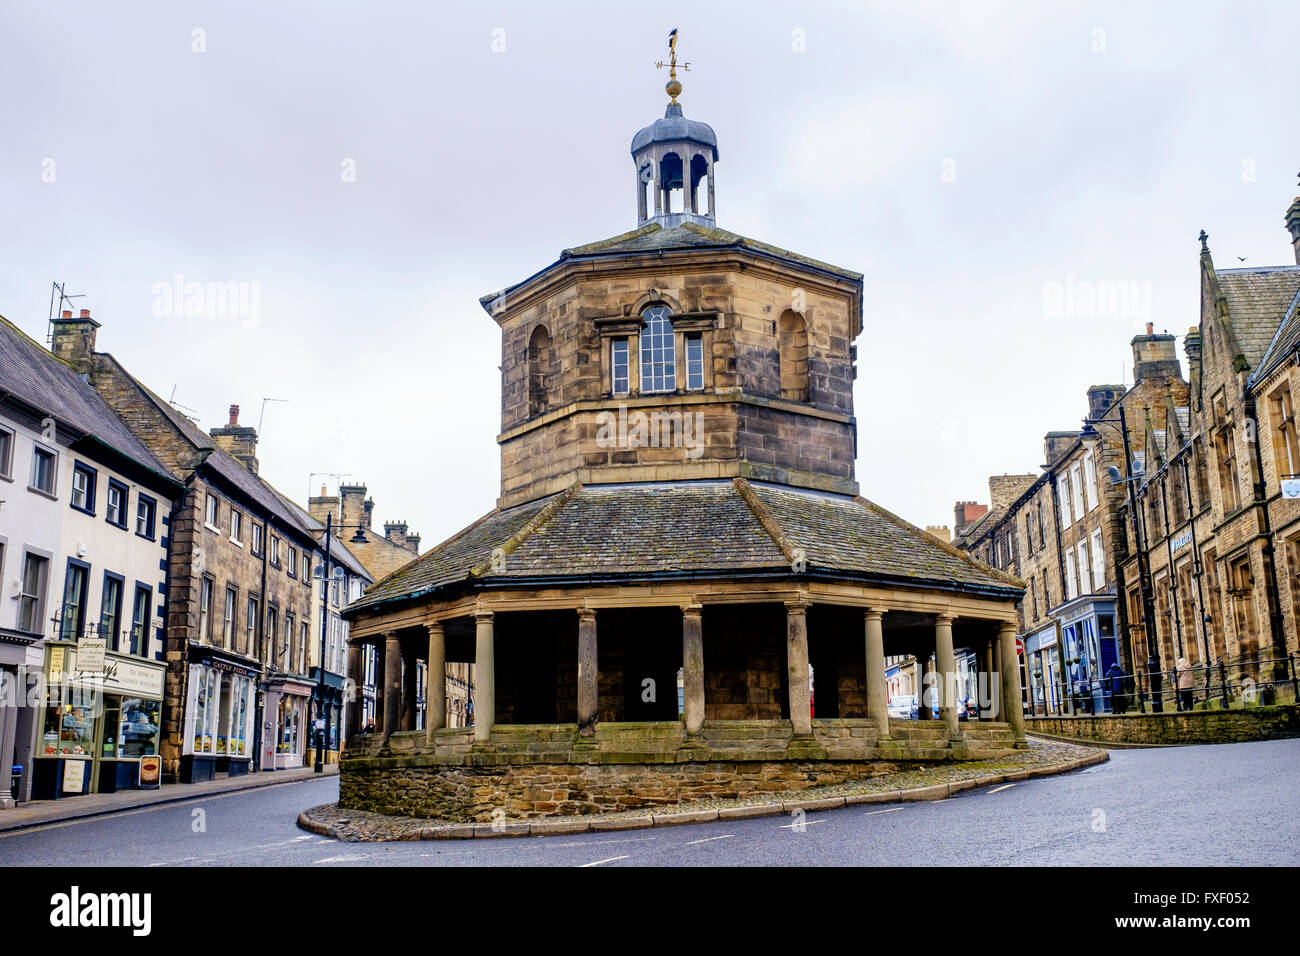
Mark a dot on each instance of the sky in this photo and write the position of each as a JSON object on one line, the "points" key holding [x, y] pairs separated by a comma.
{"points": [[1021, 185]]}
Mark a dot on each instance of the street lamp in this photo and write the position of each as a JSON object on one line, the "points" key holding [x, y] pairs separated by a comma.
{"points": [[326, 579], [1090, 438]]}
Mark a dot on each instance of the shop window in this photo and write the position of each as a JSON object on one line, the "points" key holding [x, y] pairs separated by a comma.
{"points": [[130, 726]]}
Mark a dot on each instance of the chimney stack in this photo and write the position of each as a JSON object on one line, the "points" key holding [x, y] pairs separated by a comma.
{"points": [[965, 512], [1155, 357], [1101, 398], [395, 531], [1056, 444], [323, 506], [1005, 489], [1293, 227], [73, 340], [237, 440], [354, 510]]}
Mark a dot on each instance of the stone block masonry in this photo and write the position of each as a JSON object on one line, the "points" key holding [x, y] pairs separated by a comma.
{"points": [[1190, 727]]}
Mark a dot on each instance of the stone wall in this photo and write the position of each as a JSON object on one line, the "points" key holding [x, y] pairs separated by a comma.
{"points": [[1191, 727], [540, 770]]}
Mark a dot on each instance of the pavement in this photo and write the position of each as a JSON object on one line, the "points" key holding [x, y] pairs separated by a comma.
{"points": [[35, 813], [1223, 805]]}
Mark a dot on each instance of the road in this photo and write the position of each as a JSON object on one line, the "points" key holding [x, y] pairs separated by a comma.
{"points": [[1223, 805]]}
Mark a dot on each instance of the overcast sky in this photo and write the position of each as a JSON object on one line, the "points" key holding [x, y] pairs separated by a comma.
{"points": [[370, 169]]}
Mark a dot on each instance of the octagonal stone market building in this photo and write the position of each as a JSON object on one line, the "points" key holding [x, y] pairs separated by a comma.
{"points": [[681, 594]]}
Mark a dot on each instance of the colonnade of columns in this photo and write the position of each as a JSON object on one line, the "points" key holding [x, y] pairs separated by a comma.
{"points": [[396, 702]]}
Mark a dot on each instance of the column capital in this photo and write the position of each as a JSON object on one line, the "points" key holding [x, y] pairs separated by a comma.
{"points": [[1006, 626], [942, 619], [435, 628], [390, 637], [586, 613], [693, 609], [484, 614], [798, 606], [873, 613]]}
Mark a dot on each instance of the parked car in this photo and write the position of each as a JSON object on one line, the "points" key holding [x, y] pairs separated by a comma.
{"points": [[902, 706]]}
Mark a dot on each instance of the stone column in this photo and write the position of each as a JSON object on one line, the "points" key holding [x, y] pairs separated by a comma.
{"points": [[946, 664], [796, 656], [692, 667], [877, 694], [352, 696], [984, 679], [588, 672], [381, 669], [435, 693], [1011, 706], [925, 672], [485, 690], [392, 682], [410, 688]]}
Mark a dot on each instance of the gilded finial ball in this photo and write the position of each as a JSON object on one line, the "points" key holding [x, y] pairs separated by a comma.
{"points": [[673, 88]]}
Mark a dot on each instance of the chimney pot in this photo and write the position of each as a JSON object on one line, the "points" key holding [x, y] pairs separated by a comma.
{"points": [[234, 415], [1150, 328], [85, 313], [67, 313]]}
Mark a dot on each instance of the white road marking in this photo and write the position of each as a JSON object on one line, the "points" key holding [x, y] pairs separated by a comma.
{"points": [[612, 859], [890, 810], [604, 842], [710, 839], [799, 826], [342, 859], [1005, 786]]}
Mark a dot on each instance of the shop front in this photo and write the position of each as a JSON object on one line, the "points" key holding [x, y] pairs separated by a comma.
{"points": [[334, 685], [218, 716], [1043, 657], [285, 723], [1088, 651], [16, 713], [101, 716]]}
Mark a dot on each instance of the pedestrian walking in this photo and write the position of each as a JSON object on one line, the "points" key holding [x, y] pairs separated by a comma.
{"points": [[1183, 672], [1115, 677]]}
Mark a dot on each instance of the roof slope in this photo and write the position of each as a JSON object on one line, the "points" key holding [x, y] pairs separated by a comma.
{"points": [[698, 528], [37, 378], [1258, 300], [1287, 338]]}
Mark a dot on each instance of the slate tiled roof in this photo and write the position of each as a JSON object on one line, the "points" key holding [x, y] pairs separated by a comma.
{"points": [[1258, 300], [339, 553], [1286, 317], [31, 374], [698, 528]]}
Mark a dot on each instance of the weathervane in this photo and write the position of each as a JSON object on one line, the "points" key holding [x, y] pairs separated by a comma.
{"points": [[673, 88]]}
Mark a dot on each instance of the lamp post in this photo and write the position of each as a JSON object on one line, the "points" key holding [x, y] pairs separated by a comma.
{"points": [[1144, 569], [322, 705]]}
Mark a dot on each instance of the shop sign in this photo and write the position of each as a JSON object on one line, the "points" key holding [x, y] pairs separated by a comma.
{"points": [[56, 663], [1182, 540], [74, 775], [122, 675], [150, 771], [90, 656], [217, 663]]}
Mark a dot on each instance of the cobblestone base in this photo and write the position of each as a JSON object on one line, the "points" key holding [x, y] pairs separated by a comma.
{"points": [[935, 782]]}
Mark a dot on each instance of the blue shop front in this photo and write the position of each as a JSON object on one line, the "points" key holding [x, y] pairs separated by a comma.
{"points": [[1088, 650]]}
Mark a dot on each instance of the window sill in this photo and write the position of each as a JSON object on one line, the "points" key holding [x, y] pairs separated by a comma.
{"points": [[42, 492], [147, 537], [212, 528], [4, 477], [236, 542], [119, 525], [84, 511]]}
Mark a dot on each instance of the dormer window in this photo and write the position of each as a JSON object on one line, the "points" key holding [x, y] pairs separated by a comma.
{"points": [[658, 351]]}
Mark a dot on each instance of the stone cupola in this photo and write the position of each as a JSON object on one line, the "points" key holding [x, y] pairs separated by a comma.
{"points": [[674, 159]]}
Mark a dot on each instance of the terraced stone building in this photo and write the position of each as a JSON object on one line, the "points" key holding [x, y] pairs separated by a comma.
{"points": [[678, 509]]}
